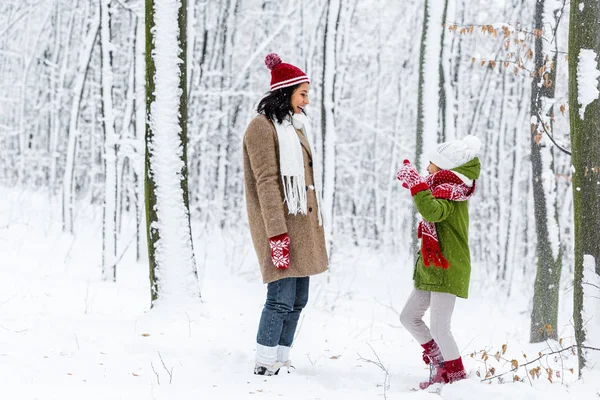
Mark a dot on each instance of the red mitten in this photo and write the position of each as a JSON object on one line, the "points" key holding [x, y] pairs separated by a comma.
{"points": [[280, 250], [410, 178], [430, 246]]}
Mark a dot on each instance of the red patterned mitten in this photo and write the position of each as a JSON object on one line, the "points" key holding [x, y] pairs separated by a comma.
{"points": [[410, 178], [280, 250]]}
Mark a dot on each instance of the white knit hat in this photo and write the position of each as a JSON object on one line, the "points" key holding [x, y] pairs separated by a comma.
{"points": [[449, 155]]}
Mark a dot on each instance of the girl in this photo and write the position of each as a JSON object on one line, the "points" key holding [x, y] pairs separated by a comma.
{"points": [[443, 269], [284, 213]]}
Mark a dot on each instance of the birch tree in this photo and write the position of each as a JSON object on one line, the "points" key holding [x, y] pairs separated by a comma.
{"points": [[584, 113], [170, 251], [109, 219]]}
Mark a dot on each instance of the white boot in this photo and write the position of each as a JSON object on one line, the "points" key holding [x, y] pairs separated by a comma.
{"points": [[283, 356], [266, 360]]}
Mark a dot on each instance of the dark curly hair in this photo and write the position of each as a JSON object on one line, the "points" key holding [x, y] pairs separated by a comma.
{"points": [[277, 104]]}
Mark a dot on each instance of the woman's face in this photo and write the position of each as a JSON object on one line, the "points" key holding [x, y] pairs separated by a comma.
{"points": [[432, 168], [300, 98]]}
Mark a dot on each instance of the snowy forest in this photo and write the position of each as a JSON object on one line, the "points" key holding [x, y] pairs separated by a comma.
{"points": [[389, 80]]}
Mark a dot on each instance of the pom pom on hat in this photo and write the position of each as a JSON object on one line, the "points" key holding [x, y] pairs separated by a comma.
{"points": [[453, 154], [473, 143], [283, 74], [271, 60]]}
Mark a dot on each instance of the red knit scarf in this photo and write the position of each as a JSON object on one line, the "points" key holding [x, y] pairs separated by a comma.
{"points": [[443, 184]]}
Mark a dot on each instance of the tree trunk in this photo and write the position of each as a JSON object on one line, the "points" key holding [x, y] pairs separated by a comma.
{"points": [[139, 132], [544, 315], [328, 128], [173, 272], [584, 47], [442, 72], [68, 189], [109, 215], [428, 103]]}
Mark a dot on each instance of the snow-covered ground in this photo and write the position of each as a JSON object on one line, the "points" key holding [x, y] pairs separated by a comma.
{"points": [[65, 334]]}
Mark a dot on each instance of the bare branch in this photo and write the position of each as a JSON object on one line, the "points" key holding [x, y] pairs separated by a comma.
{"points": [[540, 357], [170, 372], [155, 373], [551, 137]]}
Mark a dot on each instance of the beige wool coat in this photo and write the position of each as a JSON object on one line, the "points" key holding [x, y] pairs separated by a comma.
{"points": [[268, 216]]}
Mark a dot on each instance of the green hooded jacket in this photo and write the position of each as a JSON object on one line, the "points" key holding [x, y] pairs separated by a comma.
{"points": [[451, 220]]}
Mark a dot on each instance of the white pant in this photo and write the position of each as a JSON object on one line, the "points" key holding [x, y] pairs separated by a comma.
{"points": [[441, 307]]}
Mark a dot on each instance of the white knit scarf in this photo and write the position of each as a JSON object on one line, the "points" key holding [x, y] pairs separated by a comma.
{"points": [[291, 164]]}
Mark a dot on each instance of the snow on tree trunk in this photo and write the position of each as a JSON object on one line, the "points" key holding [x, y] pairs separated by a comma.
{"points": [[109, 218], [446, 130], [584, 114], [544, 314], [328, 114], [429, 80], [140, 129], [173, 272], [428, 100]]}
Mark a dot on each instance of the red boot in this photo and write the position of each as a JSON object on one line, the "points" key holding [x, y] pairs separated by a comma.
{"points": [[437, 374], [433, 357], [454, 370]]}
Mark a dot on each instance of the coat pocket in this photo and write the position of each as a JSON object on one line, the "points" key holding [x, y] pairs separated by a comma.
{"points": [[431, 276]]}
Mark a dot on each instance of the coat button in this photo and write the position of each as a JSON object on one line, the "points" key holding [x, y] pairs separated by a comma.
{"points": [[310, 163], [306, 187], [309, 209]]}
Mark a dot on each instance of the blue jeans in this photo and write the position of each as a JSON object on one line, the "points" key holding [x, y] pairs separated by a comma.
{"points": [[285, 300]]}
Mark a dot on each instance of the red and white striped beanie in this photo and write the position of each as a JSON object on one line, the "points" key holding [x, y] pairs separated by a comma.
{"points": [[282, 74]]}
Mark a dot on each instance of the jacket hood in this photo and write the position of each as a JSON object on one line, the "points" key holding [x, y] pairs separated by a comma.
{"points": [[471, 169]]}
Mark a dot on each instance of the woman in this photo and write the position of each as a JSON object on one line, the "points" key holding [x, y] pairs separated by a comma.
{"points": [[284, 213], [442, 272]]}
